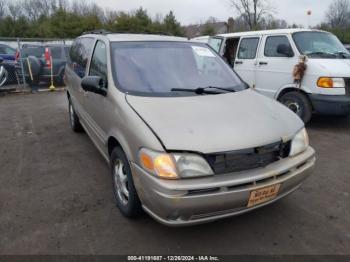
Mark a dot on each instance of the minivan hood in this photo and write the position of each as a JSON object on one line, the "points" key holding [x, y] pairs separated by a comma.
{"points": [[216, 123], [332, 67]]}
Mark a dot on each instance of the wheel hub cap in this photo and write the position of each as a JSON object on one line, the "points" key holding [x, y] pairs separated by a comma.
{"points": [[121, 182], [294, 106], [71, 115]]}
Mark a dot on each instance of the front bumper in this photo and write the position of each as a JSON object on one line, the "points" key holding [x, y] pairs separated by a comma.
{"points": [[331, 104], [201, 200]]}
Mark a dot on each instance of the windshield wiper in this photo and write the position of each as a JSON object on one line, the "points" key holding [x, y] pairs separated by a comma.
{"points": [[204, 90], [320, 53], [343, 54]]}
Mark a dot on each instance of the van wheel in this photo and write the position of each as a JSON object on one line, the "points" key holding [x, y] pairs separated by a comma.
{"points": [[124, 190], [299, 104], [74, 119]]}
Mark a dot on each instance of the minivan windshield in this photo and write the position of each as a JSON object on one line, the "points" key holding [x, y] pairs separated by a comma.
{"points": [[320, 45], [166, 68]]}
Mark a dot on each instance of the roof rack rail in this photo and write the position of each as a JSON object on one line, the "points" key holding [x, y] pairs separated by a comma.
{"points": [[97, 32], [147, 32]]}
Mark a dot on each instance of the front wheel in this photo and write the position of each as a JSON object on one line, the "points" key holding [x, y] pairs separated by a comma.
{"points": [[74, 119], [124, 190], [299, 104]]}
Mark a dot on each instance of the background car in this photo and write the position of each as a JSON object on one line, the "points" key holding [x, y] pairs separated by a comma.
{"points": [[7, 53], [39, 58], [7, 65]]}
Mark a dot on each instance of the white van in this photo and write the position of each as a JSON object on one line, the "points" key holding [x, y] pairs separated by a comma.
{"points": [[266, 61]]}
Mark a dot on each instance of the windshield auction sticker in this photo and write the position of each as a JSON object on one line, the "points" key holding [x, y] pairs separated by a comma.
{"points": [[202, 51]]}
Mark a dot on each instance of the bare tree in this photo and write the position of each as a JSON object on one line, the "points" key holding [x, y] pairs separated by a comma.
{"points": [[15, 9], [3, 6], [338, 14], [33, 9], [252, 11]]}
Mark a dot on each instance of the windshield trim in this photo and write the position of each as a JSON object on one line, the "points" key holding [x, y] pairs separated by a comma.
{"points": [[312, 32], [164, 94]]}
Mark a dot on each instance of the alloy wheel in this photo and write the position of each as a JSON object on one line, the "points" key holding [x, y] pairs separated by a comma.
{"points": [[3, 75], [121, 182]]}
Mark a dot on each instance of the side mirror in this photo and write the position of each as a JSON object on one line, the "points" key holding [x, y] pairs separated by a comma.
{"points": [[285, 50], [94, 84]]}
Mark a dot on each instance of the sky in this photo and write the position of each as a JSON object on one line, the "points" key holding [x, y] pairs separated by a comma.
{"points": [[195, 11]]}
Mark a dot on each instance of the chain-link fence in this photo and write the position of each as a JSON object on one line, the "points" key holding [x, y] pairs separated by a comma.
{"points": [[34, 63]]}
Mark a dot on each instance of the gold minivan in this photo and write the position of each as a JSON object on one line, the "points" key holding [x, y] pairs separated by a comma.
{"points": [[185, 138]]}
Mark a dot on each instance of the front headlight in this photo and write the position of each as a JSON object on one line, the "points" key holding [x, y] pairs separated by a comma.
{"points": [[329, 82], [174, 166], [299, 143]]}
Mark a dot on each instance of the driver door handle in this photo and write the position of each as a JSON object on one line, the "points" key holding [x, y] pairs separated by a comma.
{"points": [[239, 62], [263, 63]]}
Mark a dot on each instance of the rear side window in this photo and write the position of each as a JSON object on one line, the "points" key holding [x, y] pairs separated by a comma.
{"points": [[79, 55], [37, 51], [272, 43], [98, 65], [248, 48], [56, 52]]}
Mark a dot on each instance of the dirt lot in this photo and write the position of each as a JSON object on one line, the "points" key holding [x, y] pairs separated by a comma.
{"points": [[56, 196]]}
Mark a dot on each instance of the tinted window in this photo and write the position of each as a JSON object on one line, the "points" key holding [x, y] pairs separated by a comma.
{"points": [[156, 68], [248, 48], [6, 50], [66, 51], [98, 65], [79, 55], [272, 43], [37, 51], [56, 52]]}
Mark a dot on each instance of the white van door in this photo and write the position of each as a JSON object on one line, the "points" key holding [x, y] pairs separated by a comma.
{"points": [[275, 64], [246, 59]]}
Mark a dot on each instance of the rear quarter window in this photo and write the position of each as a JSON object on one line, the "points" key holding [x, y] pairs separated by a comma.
{"points": [[79, 55]]}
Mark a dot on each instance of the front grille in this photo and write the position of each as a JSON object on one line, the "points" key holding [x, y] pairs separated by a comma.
{"points": [[247, 159], [347, 86]]}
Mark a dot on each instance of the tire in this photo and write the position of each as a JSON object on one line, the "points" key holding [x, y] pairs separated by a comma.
{"points": [[74, 119], [35, 66], [299, 104], [60, 79], [4, 76], [124, 190]]}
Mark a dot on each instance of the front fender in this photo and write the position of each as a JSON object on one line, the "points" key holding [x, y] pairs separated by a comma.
{"points": [[292, 86]]}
